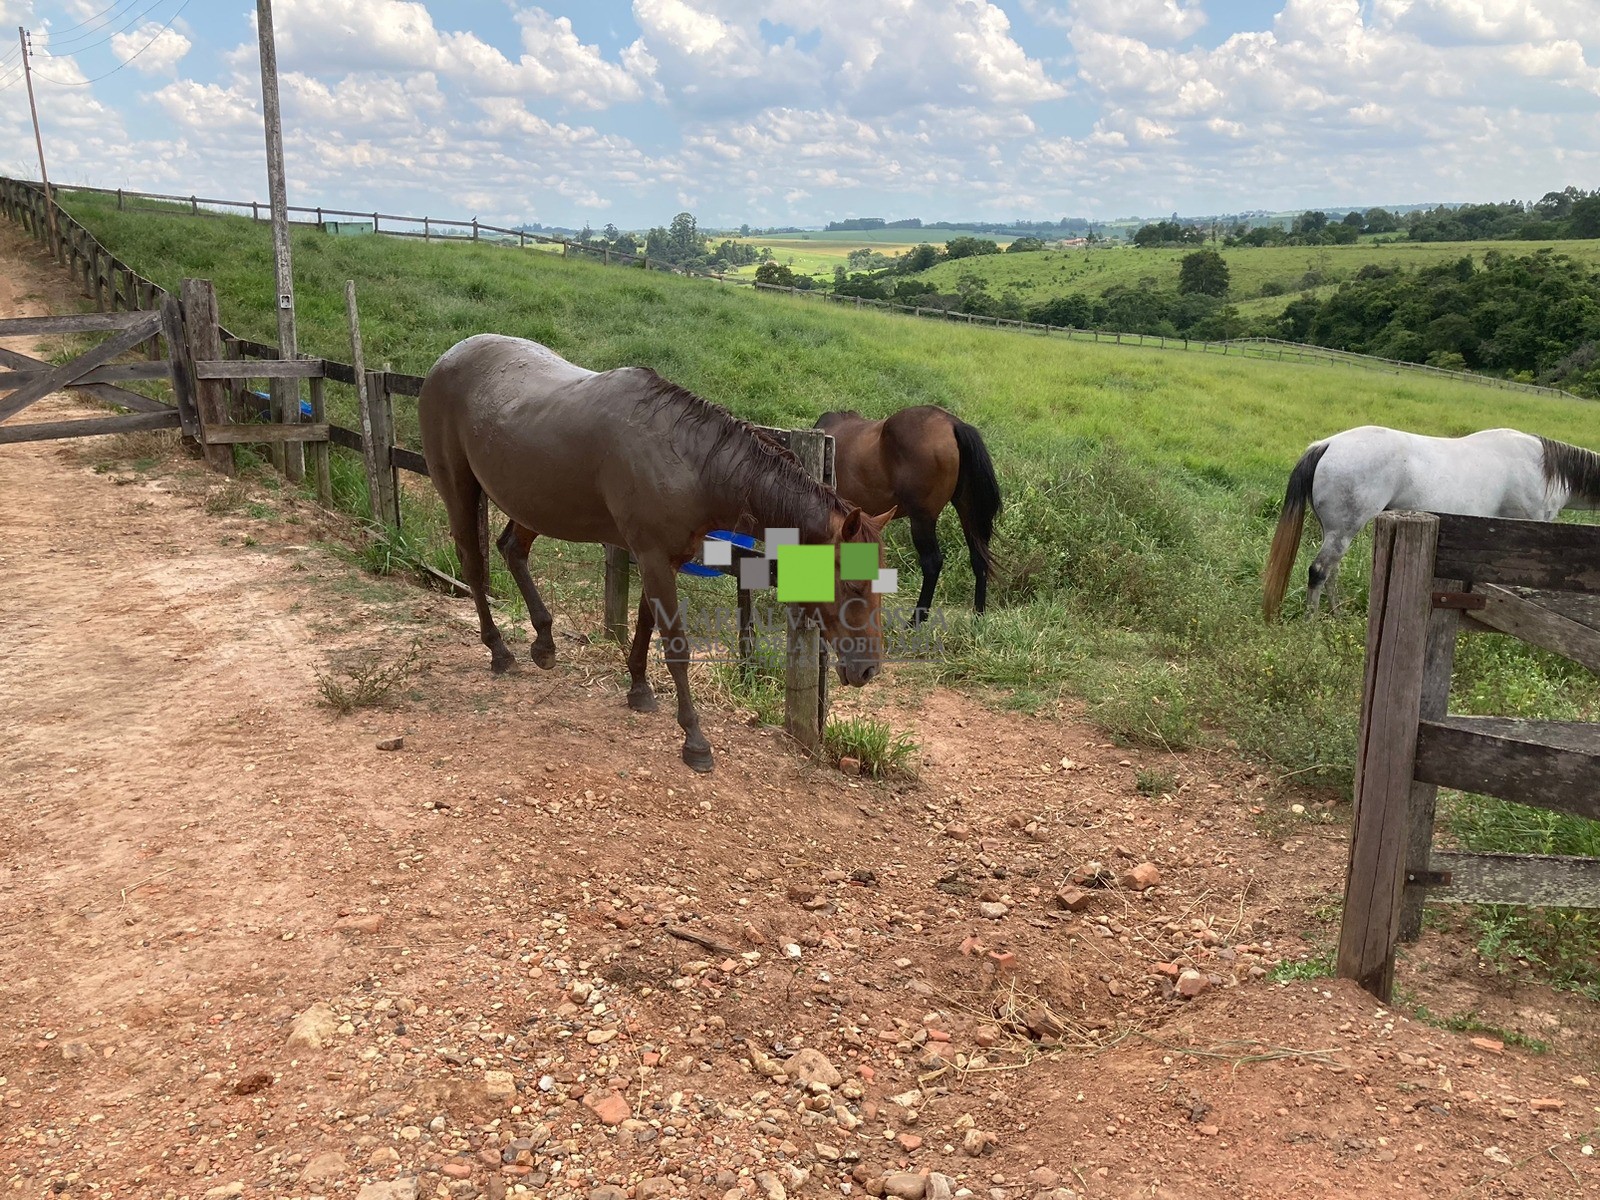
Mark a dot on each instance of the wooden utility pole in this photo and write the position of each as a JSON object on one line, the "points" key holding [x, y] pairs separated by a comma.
{"points": [[286, 393], [38, 139]]}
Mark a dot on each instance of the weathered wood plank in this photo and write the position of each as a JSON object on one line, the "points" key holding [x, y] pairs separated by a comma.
{"points": [[616, 593], [1537, 880], [338, 435], [49, 431], [1438, 663], [1535, 554], [111, 373], [229, 435], [57, 378], [802, 705], [1397, 626], [183, 384], [203, 343], [407, 460], [103, 392], [261, 368], [1533, 621], [1547, 764], [74, 323], [321, 476]]}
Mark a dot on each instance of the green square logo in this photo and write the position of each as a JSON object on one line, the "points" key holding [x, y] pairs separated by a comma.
{"points": [[805, 574], [858, 560]]}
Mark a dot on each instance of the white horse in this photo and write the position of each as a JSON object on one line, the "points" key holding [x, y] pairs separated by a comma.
{"points": [[1353, 476]]}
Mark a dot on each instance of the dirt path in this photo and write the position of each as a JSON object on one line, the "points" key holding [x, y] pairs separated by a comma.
{"points": [[244, 951]]}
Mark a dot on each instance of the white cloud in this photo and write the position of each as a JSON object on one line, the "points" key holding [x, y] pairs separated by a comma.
{"points": [[152, 48], [1151, 20], [399, 35]]}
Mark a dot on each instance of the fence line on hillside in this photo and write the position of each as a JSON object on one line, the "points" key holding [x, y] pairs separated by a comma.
{"points": [[444, 229], [1254, 347], [1272, 349]]}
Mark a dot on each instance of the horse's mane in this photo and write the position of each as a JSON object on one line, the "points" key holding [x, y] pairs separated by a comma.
{"points": [[1572, 467], [755, 467]]}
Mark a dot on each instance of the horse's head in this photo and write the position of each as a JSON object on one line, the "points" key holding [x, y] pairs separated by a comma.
{"points": [[830, 419], [852, 624]]}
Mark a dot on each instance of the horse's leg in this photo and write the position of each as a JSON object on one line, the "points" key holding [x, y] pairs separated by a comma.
{"points": [[469, 525], [641, 696], [1324, 569], [925, 536], [978, 556], [659, 582], [514, 543]]}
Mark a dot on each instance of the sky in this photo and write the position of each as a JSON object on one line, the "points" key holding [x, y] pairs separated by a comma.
{"points": [[799, 112]]}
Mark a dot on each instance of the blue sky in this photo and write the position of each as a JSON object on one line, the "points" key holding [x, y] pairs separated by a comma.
{"points": [[783, 112]]}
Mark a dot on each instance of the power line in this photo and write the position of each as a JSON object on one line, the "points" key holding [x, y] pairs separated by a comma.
{"points": [[66, 39], [95, 17], [84, 45], [126, 61]]}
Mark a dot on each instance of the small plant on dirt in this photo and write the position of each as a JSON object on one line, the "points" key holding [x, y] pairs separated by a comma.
{"points": [[881, 751], [1318, 966], [1155, 783], [231, 497], [367, 684], [1471, 1023]]}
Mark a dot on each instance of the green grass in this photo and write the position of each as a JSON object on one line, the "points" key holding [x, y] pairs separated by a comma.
{"points": [[1472, 1023], [1284, 270], [1318, 966], [1140, 485], [880, 750]]}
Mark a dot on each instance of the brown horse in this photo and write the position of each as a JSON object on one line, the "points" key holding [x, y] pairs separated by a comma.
{"points": [[920, 460], [625, 458]]}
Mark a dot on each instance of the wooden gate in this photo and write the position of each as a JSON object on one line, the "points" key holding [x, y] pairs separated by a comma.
{"points": [[94, 373], [1434, 577]]}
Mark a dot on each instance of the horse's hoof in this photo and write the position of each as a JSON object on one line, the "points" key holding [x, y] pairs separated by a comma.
{"points": [[699, 760], [501, 662], [544, 657], [642, 701]]}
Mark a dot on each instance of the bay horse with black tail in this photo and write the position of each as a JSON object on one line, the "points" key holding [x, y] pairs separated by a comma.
{"points": [[916, 462], [1353, 476], [625, 458]]}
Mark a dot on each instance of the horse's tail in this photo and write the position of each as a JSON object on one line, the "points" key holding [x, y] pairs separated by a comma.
{"points": [[1286, 539], [977, 497]]}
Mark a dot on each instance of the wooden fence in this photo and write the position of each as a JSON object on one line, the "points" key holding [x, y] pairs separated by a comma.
{"points": [[444, 229], [212, 372], [1435, 576]]}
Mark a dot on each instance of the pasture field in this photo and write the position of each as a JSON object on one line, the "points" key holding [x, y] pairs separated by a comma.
{"points": [[1288, 269], [1140, 485], [817, 253]]}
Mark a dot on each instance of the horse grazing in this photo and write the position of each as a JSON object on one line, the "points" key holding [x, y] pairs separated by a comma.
{"points": [[916, 462], [626, 458], [1352, 476]]}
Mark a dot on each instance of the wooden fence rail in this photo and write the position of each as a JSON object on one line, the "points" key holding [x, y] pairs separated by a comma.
{"points": [[1434, 577]]}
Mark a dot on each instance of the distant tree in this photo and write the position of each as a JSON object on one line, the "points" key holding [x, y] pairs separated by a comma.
{"points": [[1204, 273], [585, 235], [1585, 219], [610, 233], [1165, 233], [919, 258], [969, 247], [1025, 245], [1355, 219], [1381, 220], [776, 274], [1310, 222], [744, 231]]}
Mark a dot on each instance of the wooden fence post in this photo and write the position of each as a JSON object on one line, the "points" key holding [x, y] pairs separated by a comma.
{"points": [[802, 703], [1438, 663], [617, 593], [1399, 605], [375, 439], [319, 450], [203, 343]]}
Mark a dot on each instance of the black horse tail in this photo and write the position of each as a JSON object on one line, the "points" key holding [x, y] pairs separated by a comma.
{"points": [[1286, 539], [977, 497]]}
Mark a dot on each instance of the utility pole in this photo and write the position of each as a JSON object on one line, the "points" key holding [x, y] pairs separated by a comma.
{"points": [[38, 139], [286, 392]]}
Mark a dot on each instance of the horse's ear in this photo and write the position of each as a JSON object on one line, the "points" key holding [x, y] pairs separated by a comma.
{"points": [[850, 528], [883, 519]]}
